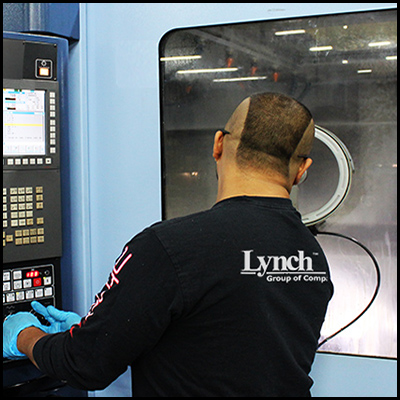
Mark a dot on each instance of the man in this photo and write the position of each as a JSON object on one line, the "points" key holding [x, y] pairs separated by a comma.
{"points": [[226, 302]]}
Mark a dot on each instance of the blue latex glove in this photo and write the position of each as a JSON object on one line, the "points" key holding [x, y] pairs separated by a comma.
{"points": [[60, 321], [12, 326]]}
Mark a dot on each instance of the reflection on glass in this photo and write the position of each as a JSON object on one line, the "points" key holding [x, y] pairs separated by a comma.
{"points": [[344, 69]]}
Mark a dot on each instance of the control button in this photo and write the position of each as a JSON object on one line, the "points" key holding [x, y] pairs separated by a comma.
{"points": [[37, 282], [47, 280], [17, 275], [39, 293], [10, 297], [20, 296], [44, 71], [43, 68], [17, 285], [27, 283], [29, 294]]}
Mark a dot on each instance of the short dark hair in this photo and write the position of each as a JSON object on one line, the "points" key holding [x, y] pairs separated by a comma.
{"points": [[273, 128]]}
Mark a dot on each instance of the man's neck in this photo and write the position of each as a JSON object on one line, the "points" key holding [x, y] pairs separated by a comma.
{"points": [[252, 184]]}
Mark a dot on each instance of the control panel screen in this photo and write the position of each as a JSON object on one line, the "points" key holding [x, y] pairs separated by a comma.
{"points": [[24, 130]]}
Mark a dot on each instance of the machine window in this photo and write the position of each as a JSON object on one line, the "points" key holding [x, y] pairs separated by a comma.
{"points": [[343, 67]]}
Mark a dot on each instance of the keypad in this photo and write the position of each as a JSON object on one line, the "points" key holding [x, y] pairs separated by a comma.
{"points": [[23, 222], [23, 285]]}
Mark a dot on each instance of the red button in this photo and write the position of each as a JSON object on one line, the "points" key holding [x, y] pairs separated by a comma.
{"points": [[37, 282]]}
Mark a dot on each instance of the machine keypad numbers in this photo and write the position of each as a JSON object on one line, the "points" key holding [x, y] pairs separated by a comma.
{"points": [[23, 285], [23, 222]]}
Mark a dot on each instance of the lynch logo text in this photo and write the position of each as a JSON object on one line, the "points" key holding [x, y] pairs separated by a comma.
{"points": [[261, 265]]}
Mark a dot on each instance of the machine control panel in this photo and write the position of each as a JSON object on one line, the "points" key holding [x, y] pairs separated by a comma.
{"points": [[32, 229], [23, 285]]}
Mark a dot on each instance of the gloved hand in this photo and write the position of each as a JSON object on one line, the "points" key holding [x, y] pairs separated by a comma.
{"points": [[60, 321], [12, 326]]}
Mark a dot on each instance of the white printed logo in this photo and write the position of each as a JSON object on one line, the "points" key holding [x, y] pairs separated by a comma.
{"points": [[283, 269]]}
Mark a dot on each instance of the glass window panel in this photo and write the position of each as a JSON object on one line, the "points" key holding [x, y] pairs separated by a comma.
{"points": [[343, 67]]}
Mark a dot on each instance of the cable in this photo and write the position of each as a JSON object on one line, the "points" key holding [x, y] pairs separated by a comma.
{"points": [[378, 280]]}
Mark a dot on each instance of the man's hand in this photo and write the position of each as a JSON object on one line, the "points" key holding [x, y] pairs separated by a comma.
{"points": [[60, 321], [12, 326]]}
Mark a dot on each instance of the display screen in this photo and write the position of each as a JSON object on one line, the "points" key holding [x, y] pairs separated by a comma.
{"points": [[24, 117], [32, 274]]}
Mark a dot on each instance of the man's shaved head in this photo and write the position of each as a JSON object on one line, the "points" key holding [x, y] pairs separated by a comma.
{"points": [[237, 120], [270, 129]]}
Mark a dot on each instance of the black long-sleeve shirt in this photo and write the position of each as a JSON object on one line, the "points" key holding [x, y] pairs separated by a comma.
{"points": [[226, 302]]}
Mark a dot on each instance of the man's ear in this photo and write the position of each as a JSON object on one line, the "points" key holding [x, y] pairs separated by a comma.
{"points": [[302, 169], [218, 145]]}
